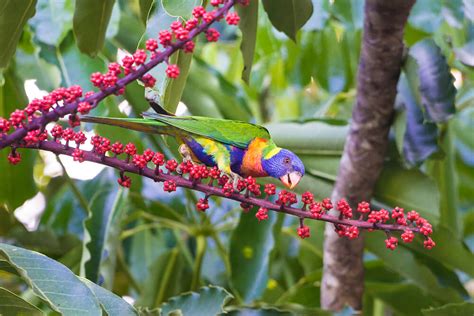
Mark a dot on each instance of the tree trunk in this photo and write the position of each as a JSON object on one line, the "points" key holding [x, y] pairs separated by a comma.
{"points": [[364, 152]]}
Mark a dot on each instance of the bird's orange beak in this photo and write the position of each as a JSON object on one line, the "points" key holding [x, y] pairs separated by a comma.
{"points": [[290, 180]]}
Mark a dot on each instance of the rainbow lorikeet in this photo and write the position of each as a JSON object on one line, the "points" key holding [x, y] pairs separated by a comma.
{"points": [[237, 148]]}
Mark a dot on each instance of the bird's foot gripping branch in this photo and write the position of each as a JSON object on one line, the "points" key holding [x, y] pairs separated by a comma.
{"points": [[27, 129]]}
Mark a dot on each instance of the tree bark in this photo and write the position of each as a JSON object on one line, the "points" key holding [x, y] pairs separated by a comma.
{"points": [[365, 148]]}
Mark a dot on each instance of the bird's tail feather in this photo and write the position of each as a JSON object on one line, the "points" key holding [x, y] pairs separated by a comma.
{"points": [[141, 125]]}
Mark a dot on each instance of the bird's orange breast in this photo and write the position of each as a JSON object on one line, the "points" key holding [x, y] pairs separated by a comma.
{"points": [[252, 160]]}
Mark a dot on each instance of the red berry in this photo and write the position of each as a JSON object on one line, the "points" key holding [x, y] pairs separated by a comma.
{"points": [[304, 232], [169, 186], [408, 236], [307, 197], [80, 138], [97, 79], [191, 24], [171, 165], [429, 243], [172, 71], [214, 173], [228, 189], [216, 3], [363, 207], [17, 117], [148, 154], [148, 80], [139, 57], [212, 35], [139, 161], [127, 62], [270, 189], [78, 155], [14, 158], [413, 216], [327, 204], [232, 18], [391, 243], [125, 181], [198, 12], [262, 214], [182, 34], [189, 47], [316, 210], [426, 229], [158, 159], [202, 205], [4, 125], [344, 208], [151, 44], [84, 107], [117, 148], [130, 149], [352, 232], [208, 16], [165, 37], [114, 68]]}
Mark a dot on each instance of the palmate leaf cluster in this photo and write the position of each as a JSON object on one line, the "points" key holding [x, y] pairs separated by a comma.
{"points": [[293, 71]]}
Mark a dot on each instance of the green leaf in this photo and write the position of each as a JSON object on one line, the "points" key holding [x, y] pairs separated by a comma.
{"points": [[174, 87], [17, 184], [205, 301], [420, 138], [466, 53], [349, 12], [248, 26], [146, 7], [410, 189], [111, 303], [288, 16], [53, 20], [262, 312], [90, 22], [461, 309], [180, 8], [52, 281], [404, 262], [431, 80], [13, 16], [449, 250], [413, 298], [107, 207], [12, 304], [250, 246]]}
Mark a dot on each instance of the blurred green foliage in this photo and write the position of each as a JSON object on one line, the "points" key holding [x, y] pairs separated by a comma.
{"points": [[153, 247]]}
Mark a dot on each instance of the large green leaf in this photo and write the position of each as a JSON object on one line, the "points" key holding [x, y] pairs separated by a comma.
{"points": [[392, 294], [248, 27], [13, 16], [111, 303], [17, 182], [180, 8], [205, 301], [460, 309], [420, 138], [250, 246], [349, 12], [52, 281], [288, 16], [173, 89], [404, 262], [107, 207], [12, 304], [90, 22], [410, 189], [145, 9], [431, 80], [53, 20]]}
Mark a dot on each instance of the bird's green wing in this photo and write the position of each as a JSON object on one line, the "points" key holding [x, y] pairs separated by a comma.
{"points": [[230, 132], [137, 124]]}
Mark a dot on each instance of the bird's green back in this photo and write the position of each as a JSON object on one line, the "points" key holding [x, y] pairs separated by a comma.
{"points": [[235, 133]]}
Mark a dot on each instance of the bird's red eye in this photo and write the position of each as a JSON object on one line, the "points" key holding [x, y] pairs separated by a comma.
{"points": [[286, 160]]}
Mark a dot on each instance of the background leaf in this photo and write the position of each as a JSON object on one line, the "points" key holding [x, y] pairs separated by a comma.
{"points": [[288, 16], [180, 8], [90, 22], [205, 301], [12, 304], [248, 27], [13, 16]]}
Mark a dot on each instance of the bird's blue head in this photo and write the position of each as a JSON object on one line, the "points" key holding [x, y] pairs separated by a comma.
{"points": [[286, 166]]}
